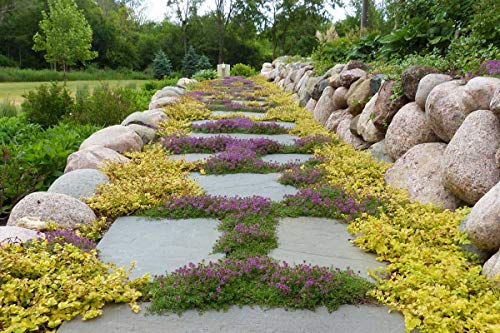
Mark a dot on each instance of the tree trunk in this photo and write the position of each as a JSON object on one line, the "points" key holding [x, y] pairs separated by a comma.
{"points": [[64, 70], [364, 16]]}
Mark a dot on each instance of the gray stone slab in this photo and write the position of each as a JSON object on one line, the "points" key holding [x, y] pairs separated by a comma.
{"points": [[190, 157], [158, 246], [323, 242], [286, 139], [285, 124], [348, 318], [287, 158], [248, 114], [244, 185]]}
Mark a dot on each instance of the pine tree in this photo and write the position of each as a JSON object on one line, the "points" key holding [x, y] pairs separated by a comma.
{"points": [[161, 65], [190, 62], [203, 63]]}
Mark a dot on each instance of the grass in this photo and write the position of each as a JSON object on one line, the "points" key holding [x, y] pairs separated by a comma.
{"points": [[13, 91]]}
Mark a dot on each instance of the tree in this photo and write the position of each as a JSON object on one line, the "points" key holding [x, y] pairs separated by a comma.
{"points": [[161, 65], [223, 13], [203, 63], [184, 10], [190, 62], [364, 15], [65, 36]]}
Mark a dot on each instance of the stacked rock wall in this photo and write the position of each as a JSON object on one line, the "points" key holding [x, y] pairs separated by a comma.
{"points": [[442, 133]]}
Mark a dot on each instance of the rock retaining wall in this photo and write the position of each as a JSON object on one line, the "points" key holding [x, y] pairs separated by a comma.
{"points": [[443, 133]]}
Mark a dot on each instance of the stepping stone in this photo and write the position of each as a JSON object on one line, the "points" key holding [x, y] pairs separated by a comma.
{"points": [[323, 242], [244, 185], [285, 139], [348, 318], [190, 157], [287, 158], [284, 124], [248, 114], [158, 246]]}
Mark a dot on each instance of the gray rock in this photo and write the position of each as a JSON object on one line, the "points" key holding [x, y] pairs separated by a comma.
{"points": [[345, 134], [379, 152], [311, 104], [337, 69], [469, 160], [408, 128], [324, 107], [147, 134], [119, 138], [483, 223], [319, 87], [79, 183], [185, 82], [339, 98], [482, 90], [10, 234], [352, 64], [491, 268], [62, 209], [411, 78], [358, 95], [376, 83], [287, 158], [446, 108], [347, 77], [92, 157], [180, 91], [161, 102], [386, 106], [286, 139], [150, 118], [166, 93], [420, 171], [311, 83], [247, 114], [495, 102], [354, 125], [426, 84], [366, 128], [497, 158], [335, 118]]}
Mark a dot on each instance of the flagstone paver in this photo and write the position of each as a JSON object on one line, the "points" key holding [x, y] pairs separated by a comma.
{"points": [[158, 246], [248, 114], [322, 242], [244, 185], [285, 124], [286, 139], [348, 318], [287, 158], [190, 157]]}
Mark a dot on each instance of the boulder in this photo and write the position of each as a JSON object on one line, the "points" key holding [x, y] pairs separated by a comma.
{"points": [[335, 118], [119, 138], [356, 64], [354, 125], [311, 104], [386, 106], [366, 128], [185, 82], [483, 223], [300, 76], [426, 84], [447, 106], [340, 98], [482, 89], [358, 95], [491, 268], [10, 234], [408, 128], [378, 151], [497, 158], [336, 69], [79, 183], [161, 102], [147, 134], [376, 82], [346, 78], [345, 134], [420, 171], [92, 157], [62, 209], [411, 78], [165, 93], [495, 102], [319, 87], [324, 107], [469, 161], [150, 118], [178, 90]]}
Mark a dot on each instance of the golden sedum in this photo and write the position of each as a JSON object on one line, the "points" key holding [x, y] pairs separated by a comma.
{"points": [[187, 109], [42, 287], [143, 182]]}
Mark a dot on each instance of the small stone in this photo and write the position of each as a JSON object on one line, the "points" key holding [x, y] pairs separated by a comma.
{"points": [[10, 234], [358, 95], [378, 151], [491, 268], [345, 134], [366, 128], [354, 125], [386, 106], [311, 104], [339, 98]]}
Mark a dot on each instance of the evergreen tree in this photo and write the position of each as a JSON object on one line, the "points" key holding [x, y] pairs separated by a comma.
{"points": [[203, 63], [161, 65], [190, 62], [65, 35]]}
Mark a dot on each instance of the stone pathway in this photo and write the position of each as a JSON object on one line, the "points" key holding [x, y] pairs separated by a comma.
{"points": [[230, 113], [286, 139], [159, 246]]}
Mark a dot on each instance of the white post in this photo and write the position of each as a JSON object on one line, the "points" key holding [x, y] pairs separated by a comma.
{"points": [[223, 70]]}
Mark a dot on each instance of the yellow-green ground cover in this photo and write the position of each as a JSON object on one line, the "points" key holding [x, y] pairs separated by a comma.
{"points": [[436, 285]]}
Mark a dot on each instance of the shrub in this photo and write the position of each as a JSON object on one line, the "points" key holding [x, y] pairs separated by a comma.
{"points": [[243, 70], [161, 65], [203, 63], [47, 104], [190, 62], [157, 85], [205, 74]]}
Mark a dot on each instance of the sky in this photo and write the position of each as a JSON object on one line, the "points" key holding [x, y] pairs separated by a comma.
{"points": [[155, 10]]}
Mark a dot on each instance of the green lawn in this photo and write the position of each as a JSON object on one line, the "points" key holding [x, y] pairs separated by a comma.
{"points": [[14, 90]]}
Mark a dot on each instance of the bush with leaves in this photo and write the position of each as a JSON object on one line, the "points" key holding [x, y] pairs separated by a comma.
{"points": [[162, 67], [205, 74], [193, 62], [47, 105], [243, 70]]}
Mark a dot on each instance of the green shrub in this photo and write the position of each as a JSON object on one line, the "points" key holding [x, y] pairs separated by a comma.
{"points": [[47, 104], [193, 62], [161, 65], [157, 85], [243, 70], [8, 108], [205, 74]]}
